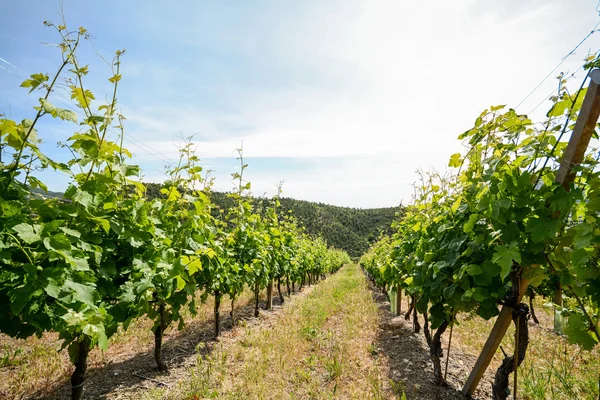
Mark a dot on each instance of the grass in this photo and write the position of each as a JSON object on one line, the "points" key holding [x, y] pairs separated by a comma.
{"points": [[553, 368], [37, 366], [318, 347]]}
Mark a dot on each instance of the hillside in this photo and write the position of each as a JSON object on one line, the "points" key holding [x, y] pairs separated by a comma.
{"points": [[350, 229]]}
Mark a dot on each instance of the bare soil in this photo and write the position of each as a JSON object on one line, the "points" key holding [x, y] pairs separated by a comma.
{"points": [[130, 374], [405, 356]]}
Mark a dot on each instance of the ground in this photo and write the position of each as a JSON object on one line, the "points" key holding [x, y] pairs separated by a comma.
{"points": [[336, 339]]}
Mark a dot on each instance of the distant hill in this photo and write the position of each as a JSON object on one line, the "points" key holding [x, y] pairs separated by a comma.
{"points": [[350, 229]]}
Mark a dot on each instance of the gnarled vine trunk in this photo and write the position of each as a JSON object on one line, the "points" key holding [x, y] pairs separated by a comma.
{"points": [[256, 293], [532, 310], [217, 313], [426, 330], [269, 305], [231, 314], [500, 388], [158, 337], [78, 376], [416, 325], [279, 290], [411, 306], [436, 352]]}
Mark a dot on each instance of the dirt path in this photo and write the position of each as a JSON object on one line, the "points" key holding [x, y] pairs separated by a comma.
{"points": [[405, 357], [336, 339], [318, 346], [131, 371]]}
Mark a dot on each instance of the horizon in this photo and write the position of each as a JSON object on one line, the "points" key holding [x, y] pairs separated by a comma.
{"points": [[342, 101]]}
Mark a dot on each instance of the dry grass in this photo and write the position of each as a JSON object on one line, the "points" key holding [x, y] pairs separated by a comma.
{"points": [[318, 347], [553, 369], [324, 343], [35, 367]]}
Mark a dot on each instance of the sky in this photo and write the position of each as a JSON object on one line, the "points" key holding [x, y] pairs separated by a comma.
{"points": [[342, 100]]}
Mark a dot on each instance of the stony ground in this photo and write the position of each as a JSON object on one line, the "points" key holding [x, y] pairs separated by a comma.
{"points": [[336, 339]]}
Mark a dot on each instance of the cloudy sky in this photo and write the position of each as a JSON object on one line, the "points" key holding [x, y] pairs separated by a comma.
{"points": [[343, 100]]}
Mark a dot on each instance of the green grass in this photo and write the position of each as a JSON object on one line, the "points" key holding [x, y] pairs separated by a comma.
{"points": [[553, 368], [318, 347]]}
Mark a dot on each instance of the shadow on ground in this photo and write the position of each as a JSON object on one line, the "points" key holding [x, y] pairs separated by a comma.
{"points": [[407, 355], [180, 351]]}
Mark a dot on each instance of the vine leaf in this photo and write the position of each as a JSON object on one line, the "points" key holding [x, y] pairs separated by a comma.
{"points": [[35, 81], [504, 256], [577, 330], [82, 293], [542, 228], [28, 233]]}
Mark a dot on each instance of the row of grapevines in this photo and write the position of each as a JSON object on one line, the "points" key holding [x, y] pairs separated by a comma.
{"points": [[498, 221], [90, 263]]}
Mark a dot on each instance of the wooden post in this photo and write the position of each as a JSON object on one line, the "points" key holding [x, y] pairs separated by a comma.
{"points": [[393, 296], [580, 139], [558, 302], [398, 300], [491, 345], [582, 132]]}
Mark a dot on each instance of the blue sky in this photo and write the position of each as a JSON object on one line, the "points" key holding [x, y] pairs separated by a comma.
{"points": [[342, 100]]}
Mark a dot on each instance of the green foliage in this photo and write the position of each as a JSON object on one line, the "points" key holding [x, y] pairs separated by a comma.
{"points": [[349, 229], [498, 217], [90, 261]]}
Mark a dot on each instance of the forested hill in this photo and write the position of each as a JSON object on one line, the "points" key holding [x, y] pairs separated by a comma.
{"points": [[350, 229]]}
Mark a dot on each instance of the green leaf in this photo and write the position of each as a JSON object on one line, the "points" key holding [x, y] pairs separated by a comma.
{"points": [[19, 298], [542, 228], [488, 271], [504, 257], [83, 97], [104, 224], [84, 198], [70, 232], [580, 257], [180, 282], [52, 289], [470, 225], [578, 331], [96, 333], [35, 81], [58, 242], [82, 293], [504, 203], [61, 113], [473, 269], [28, 233], [456, 204], [455, 160]]}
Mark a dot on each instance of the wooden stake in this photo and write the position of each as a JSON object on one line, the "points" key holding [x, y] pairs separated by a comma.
{"points": [[582, 132], [398, 300], [448, 351], [491, 345], [516, 367], [580, 139]]}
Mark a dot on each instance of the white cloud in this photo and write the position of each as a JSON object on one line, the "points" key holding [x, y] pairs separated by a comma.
{"points": [[384, 86]]}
